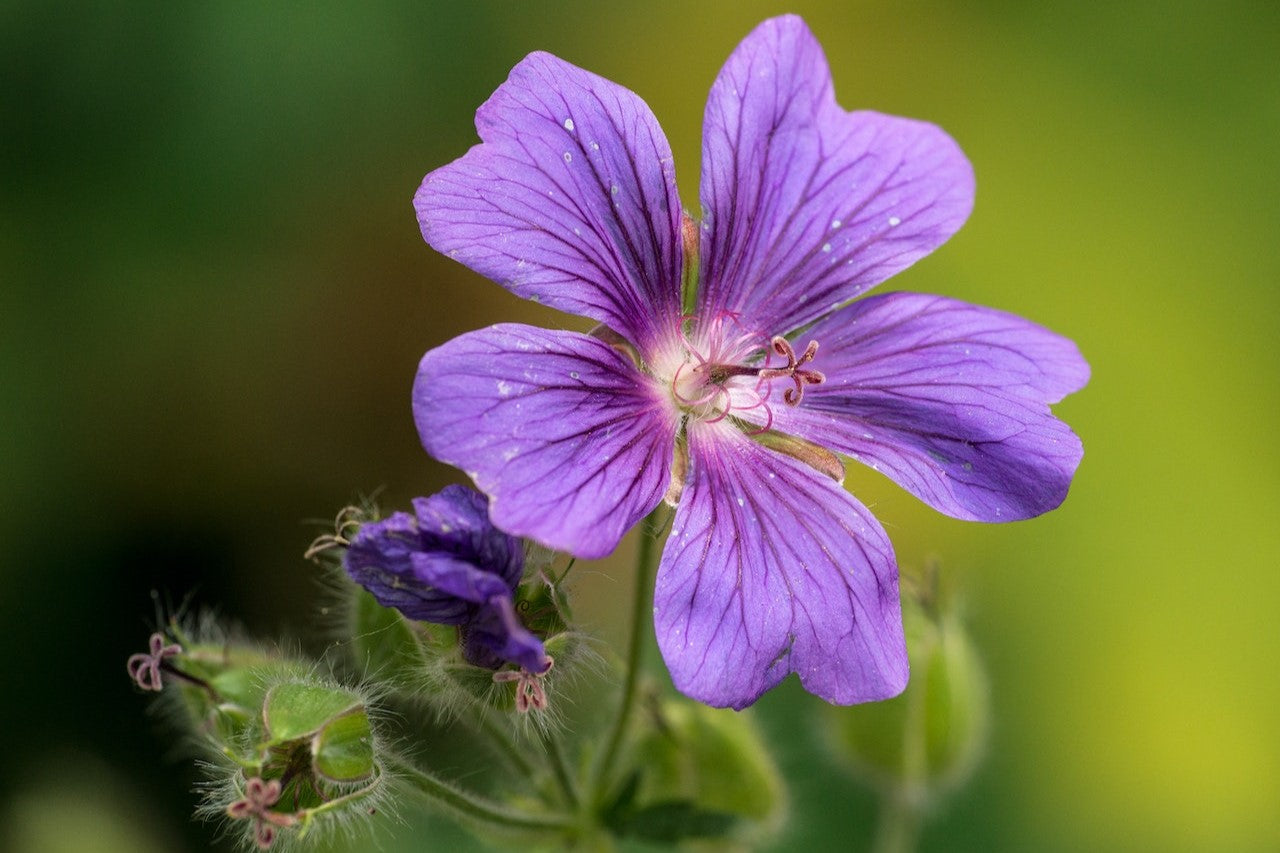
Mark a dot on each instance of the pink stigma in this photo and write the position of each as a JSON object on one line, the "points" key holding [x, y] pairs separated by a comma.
{"points": [[793, 396], [709, 384]]}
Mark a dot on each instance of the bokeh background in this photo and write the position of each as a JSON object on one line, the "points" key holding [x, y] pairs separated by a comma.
{"points": [[213, 298]]}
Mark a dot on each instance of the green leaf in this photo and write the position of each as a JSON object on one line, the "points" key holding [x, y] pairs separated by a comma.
{"points": [[675, 821], [295, 710], [343, 750], [384, 643]]}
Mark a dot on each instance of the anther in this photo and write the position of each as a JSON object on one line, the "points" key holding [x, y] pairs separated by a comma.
{"points": [[792, 370]]}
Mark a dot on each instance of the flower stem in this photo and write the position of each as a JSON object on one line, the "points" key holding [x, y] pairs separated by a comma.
{"points": [[477, 809], [561, 769], [641, 616], [898, 829], [902, 806], [506, 745]]}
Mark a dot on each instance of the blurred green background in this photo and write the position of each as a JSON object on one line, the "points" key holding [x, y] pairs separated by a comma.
{"points": [[213, 298]]}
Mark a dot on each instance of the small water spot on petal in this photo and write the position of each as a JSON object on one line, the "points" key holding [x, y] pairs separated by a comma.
{"points": [[568, 124], [836, 223], [826, 247], [595, 146], [741, 502], [894, 221], [613, 189], [568, 157], [504, 388]]}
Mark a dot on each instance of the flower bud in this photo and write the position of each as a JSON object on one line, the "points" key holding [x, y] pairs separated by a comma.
{"points": [[315, 763], [217, 683], [701, 774], [928, 739], [447, 564]]}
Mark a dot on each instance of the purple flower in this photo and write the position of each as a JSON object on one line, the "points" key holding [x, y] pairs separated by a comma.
{"points": [[771, 567], [449, 565]]}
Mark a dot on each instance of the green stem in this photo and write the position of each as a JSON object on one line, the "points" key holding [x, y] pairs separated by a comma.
{"points": [[476, 809], [898, 829], [506, 744], [561, 769], [901, 807], [641, 616]]}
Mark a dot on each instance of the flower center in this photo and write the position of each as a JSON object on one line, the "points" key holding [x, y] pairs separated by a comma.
{"points": [[721, 374]]}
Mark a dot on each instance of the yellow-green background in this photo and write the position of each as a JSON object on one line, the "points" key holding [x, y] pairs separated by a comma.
{"points": [[213, 297]]}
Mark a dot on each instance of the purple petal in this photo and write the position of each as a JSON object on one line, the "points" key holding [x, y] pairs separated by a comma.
{"points": [[439, 565], [496, 636], [458, 578], [570, 200], [773, 568], [572, 443], [808, 205], [456, 521], [381, 559], [947, 399]]}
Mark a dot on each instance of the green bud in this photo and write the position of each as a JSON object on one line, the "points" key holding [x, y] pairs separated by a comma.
{"points": [[701, 774], [928, 739], [316, 763], [219, 686]]}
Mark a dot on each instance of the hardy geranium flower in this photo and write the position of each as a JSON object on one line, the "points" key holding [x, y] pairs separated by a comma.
{"points": [[449, 565], [771, 566]]}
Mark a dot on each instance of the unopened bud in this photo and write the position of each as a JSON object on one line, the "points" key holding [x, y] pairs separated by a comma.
{"points": [[929, 738], [702, 774]]}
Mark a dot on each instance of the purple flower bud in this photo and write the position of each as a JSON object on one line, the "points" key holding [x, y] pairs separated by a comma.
{"points": [[449, 565]]}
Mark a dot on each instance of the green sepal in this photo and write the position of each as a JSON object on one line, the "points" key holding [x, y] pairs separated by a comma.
{"points": [[342, 751], [225, 697], [295, 710], [542, 608], [476, 684]]}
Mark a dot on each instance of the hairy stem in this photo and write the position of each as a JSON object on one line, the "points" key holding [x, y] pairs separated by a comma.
{"points": [[641, 616], [568, 787], [478, 809], [902, 807], [506, 745]]}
